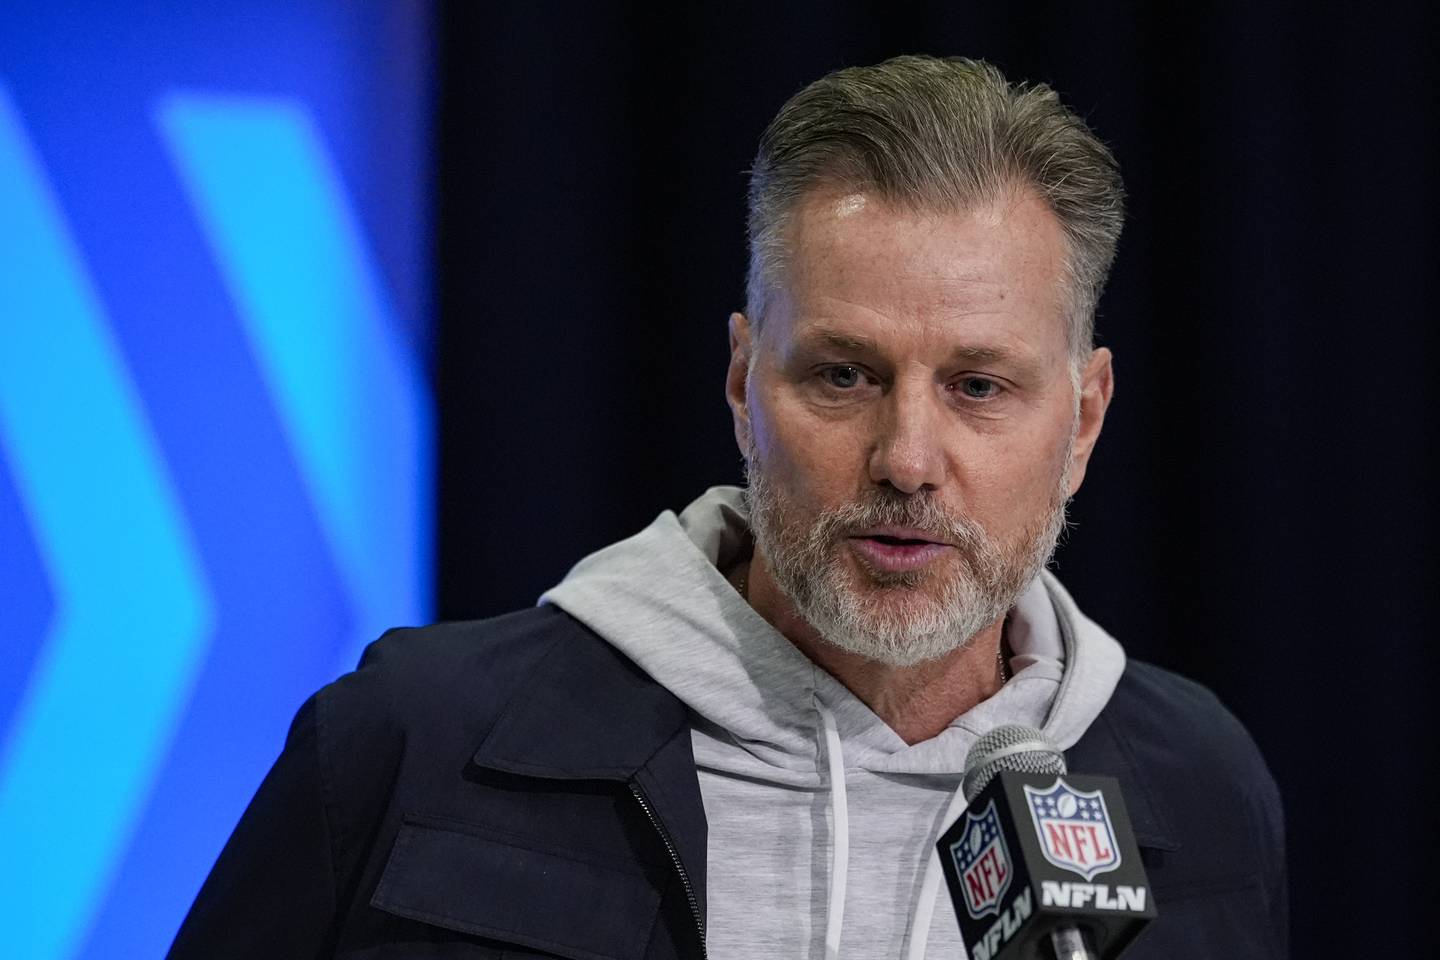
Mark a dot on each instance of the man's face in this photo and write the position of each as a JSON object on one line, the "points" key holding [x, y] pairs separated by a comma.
{"points": [[910, 418]]}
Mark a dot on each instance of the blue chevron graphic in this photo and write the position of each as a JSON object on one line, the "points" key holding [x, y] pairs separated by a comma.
{"points": [[132, 607], [24, 597], [355, 402]]}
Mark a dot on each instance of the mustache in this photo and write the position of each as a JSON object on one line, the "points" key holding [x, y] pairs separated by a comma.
{"points": [[917, 511]]}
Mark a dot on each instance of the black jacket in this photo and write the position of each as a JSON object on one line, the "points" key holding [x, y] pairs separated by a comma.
{"points": [[516, 787]]}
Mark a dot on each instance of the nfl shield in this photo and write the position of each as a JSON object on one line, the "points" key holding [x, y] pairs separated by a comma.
{"points": [[1074, 828], [982, 862]]}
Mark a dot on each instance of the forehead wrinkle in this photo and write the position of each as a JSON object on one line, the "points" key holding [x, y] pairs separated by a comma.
{"points": [[925, 308], [926, 317], [938, 294]]}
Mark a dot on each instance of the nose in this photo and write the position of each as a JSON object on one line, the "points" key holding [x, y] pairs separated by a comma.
{"points": [[908, 453]]}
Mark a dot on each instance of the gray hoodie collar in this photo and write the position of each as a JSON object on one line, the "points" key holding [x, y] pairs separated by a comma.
{"points": [[660, 598]]}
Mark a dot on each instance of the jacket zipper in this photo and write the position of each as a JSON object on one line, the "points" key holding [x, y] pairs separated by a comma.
{"points": [[675, 859]]}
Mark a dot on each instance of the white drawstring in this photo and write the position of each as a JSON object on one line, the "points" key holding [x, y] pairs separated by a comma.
{"points": [[840, 811], [930, 886]]}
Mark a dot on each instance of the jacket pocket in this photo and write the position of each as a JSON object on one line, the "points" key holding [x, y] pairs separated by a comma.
{"points": [[495, 885]]}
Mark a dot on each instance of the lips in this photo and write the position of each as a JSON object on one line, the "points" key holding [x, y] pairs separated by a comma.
{"points": [[897, 549]]}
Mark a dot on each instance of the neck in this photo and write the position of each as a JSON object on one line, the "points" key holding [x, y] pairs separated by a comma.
{"points": [[916, 702]]}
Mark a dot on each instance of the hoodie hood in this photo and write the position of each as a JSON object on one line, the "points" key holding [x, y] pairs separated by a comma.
{"points": [[660, 597]]}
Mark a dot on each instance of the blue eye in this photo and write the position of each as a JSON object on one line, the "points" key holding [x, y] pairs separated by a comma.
{"points": [[978, 388], [845, 378]]}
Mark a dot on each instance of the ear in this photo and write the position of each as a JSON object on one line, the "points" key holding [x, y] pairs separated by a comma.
{"points": [[736, 377], [1097, 384]]}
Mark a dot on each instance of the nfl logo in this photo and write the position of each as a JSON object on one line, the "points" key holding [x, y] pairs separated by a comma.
{"points": [[1074, 828], [982, 862]]}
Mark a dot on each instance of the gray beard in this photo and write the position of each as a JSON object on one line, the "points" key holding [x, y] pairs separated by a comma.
{"points": [[897, 621]]}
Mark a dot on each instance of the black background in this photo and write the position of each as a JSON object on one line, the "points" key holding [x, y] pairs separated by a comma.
{"points": [[1258, 515]]}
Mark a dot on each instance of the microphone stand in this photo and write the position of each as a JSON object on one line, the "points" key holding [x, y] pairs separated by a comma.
{"points": [[1070, 943]]}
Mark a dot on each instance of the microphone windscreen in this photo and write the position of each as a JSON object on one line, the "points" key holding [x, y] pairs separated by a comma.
{"points": [[1008, 747]]}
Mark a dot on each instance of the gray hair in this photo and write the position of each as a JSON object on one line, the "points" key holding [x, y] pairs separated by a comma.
{"points": [[947, 134]]}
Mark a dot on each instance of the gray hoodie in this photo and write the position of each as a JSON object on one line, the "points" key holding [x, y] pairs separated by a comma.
{"points": [[822, 821]]}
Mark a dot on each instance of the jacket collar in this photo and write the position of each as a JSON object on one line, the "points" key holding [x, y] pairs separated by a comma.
{"points": [[585, 712]]}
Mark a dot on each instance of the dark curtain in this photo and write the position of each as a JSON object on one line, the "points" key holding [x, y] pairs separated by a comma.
{"points": [[1258, 515]]}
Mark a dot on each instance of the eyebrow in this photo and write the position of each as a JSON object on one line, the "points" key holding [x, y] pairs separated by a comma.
{"points": [[840, 341], [985, 355]]}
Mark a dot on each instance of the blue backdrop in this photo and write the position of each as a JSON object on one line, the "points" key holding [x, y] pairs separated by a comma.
{"points": [[215, 424]]}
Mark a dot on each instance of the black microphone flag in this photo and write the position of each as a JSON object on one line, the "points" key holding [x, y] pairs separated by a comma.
{"points": [[1037, 853]]}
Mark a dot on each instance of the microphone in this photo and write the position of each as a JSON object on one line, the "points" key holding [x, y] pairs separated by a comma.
{"points": [[1023, 860]]}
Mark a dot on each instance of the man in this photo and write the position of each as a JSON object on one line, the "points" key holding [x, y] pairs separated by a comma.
{"points": [[737, 733]]}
